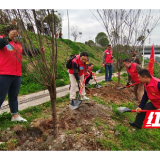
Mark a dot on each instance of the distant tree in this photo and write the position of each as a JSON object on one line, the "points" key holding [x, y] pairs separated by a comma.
{"points": [[48, 18], [80, 35], [102, 39], [91, 43], [75, 32], [3, 17]]}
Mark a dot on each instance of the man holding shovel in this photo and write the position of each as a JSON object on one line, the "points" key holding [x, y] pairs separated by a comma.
{"points": [[152, 93], [133, 69], [108, 61]]}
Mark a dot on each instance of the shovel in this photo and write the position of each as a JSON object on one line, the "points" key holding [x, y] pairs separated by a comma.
{"points": [[102, 67], [75, 103], [125, 109], [128, 86], [97, 85]]}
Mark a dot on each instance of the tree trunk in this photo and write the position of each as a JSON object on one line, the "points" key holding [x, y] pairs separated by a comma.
{"points": [[52, 93], [119, 76]]}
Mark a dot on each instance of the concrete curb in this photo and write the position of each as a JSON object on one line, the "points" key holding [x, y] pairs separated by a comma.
{"points": [[41, 97]]}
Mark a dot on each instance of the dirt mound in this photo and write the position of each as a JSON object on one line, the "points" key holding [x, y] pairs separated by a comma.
{"points": [[112, 94], [76, 130]]}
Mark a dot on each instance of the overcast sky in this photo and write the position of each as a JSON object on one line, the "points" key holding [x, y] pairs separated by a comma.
{"points": [[86, 22]]}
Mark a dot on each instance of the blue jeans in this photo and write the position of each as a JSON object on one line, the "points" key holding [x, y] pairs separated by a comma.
{"points": [[11, 85], [110, 69]]}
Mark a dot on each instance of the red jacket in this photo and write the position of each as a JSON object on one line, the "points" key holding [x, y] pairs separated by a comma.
{"points": [[81, 66], [9, 64], [108, 56], [133, 73], [153, 92]]}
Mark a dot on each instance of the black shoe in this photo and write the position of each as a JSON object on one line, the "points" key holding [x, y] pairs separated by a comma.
{"points": [[110, 80], [132, 124]]}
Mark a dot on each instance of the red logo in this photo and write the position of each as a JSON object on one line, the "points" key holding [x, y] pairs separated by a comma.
{"points": [[152, 119]]}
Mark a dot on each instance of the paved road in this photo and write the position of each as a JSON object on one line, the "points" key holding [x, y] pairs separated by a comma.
{"points": [[41, 97]]}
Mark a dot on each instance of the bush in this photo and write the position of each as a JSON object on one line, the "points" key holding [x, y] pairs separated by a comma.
{"points": [[156, 70]]}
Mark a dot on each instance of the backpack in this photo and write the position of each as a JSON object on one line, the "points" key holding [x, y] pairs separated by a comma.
{"points": [[69, 61]]}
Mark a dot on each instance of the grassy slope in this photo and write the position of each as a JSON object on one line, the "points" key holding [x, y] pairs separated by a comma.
{"points": [[29, 86]]}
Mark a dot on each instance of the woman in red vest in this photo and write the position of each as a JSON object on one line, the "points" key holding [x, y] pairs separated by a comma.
{"points": [[11, 69], [132, 70], [77, 74], [90, 67], [152, 93]]}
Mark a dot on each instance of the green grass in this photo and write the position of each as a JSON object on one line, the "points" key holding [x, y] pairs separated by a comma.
{"points": [[34, 112], [128, 139]]}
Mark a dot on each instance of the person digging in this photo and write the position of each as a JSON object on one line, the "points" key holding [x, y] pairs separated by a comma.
{"points": [[89, 70], [76, 73], [151, 92], [132, 70]]}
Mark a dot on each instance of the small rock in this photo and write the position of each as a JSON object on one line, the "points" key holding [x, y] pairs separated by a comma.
{"points": [[116, 133], [8, 129], [99, 149], [133, 129], [49, 139], [95, 95]]}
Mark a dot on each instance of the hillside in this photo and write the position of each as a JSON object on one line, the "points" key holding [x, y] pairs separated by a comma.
{"points": [[95, 56]]}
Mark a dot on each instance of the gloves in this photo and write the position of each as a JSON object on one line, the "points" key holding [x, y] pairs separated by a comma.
{"points": [[128, 84]]}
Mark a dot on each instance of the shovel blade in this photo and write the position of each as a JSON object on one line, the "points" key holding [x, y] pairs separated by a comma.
{"points": [[120, 87], [74, 104], [123, 109], [98, 86], [98, 71]]}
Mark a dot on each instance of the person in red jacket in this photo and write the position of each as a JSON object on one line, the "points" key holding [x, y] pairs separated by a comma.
{"points": [[77, 74], [108, 60], [89, 71], [132, 70], [151, 92], [11, 70]]}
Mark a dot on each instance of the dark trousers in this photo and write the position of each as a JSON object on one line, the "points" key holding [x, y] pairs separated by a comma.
{"points": [[88, 79], [11, 85], [110, 69], [141, 116]]}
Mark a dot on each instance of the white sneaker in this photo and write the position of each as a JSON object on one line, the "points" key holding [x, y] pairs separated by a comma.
{"points": [[84, 98], [19, 118]]}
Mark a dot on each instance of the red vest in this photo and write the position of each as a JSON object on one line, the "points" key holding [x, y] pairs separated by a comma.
{"points": [[80, 65], [89, 70], [9, 64], [153, 92], [108, 56], [133, 73]]}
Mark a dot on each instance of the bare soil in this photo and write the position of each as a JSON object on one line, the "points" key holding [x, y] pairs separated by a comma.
{"points": [[78, 129]]}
